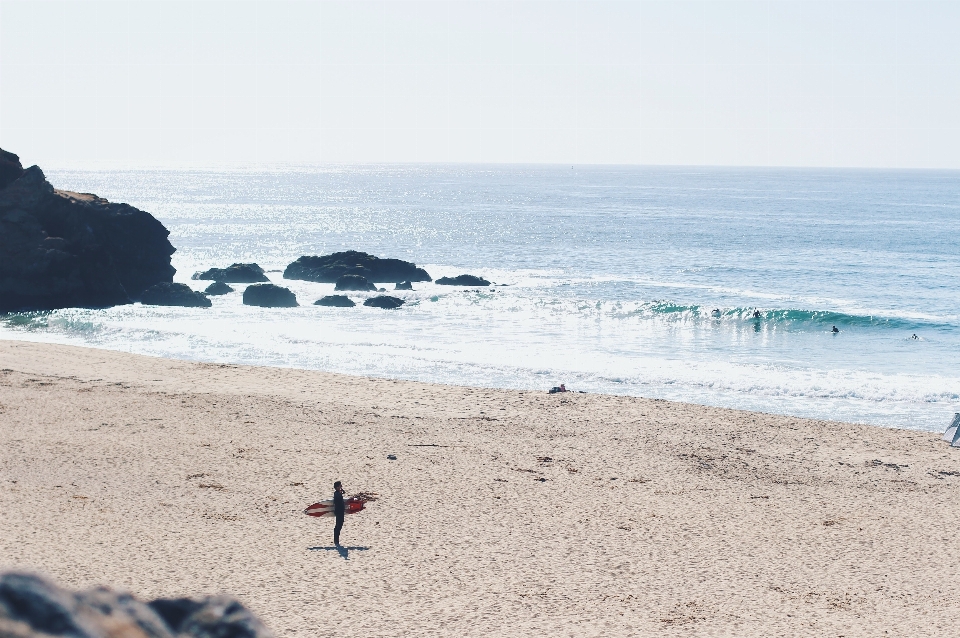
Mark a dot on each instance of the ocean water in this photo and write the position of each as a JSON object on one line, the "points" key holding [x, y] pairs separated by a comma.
{"points": [[623, 280]]}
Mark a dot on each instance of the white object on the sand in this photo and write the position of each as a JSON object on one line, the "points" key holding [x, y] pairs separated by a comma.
{"points": [[953, 432]]}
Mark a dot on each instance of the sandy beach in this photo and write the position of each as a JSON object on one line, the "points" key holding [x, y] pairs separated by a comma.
{"points": [[505, 513]]}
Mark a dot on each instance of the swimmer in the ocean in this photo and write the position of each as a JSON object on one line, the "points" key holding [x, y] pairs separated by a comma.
{"points": [[835, 330], [756, 314], [914, 336]]}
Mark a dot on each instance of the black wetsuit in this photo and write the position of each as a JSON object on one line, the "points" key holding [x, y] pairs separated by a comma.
{"points": [[338, 510]]}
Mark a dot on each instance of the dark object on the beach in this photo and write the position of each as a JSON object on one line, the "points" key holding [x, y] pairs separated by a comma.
{"points": [[10, 168], [403, 285], [170, 294], [60, 249], [235, 274], [560, 388], [391, 457], [463, 280], [218, 288], [329, 268], [269, 296], [383, 301], [354, 282], [335, 301], [33, 607], [212, 617]]}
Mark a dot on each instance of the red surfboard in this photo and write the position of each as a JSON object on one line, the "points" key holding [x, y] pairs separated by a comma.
{"points": [[325, 508]]}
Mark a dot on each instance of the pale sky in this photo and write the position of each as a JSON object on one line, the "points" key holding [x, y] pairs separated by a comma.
{"points": [[761, 83]]}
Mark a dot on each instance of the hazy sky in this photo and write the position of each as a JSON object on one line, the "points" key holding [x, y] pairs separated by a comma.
{"points": [[771, 82]]}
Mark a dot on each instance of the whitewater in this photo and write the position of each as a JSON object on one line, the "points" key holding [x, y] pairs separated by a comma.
{"points": [[707, 285]]}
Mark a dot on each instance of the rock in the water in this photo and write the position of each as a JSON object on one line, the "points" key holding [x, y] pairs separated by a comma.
{"points": [[269, 296], [354, 282], [383, 301], [32, 607], [218, 288], [235, 274], [60, 249], [403, 285], [463, 280], [169, 294], [329, 268], [336, 301]]}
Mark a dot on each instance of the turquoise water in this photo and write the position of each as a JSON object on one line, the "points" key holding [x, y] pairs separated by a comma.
{"points": [[626, 280]]}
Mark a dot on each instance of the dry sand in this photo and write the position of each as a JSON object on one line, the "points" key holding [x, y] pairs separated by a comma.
{"points": [[533, 515]]}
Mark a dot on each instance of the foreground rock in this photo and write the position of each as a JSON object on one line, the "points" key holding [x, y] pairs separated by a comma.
{"points": [[235, 274], [269, 296], [218, 288], [329, 268], [463, 280], [33, 607], [383, 301], [335, 301], [169, 294], [403, 285], [357, 283], [60, 249]]}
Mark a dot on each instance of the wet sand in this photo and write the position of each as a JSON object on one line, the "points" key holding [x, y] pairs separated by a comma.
{"points": [[505, 513]]}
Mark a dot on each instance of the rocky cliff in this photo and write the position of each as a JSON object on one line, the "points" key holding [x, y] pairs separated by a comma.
{"points": [[60, 249]]}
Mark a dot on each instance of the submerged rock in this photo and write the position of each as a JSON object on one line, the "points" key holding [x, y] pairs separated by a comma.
{"points": [[218, 288], [463, 280], [354, 282], [33, 607], [383, 301], [235, 274], [403, 285], [335, 301], [60, 249], [329, 268], [170, 294], [269, 296]]}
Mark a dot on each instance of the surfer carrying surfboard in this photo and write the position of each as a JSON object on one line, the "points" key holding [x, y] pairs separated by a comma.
{"points": [[338, 511]]}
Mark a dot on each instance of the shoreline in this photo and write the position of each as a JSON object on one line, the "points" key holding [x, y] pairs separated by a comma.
{"points": [[511, 512]]}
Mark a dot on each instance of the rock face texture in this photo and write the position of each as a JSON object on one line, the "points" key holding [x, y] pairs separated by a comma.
{"points": [[354, 282], [269, 296], [329, 268], [235, 274], [383, 301], [403, 285], [463, 280], [168, 294], [217, 288], [60, 249], [32, 607], [335, 301]]}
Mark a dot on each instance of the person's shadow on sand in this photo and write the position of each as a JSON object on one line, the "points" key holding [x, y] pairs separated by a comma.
{"points": [[343, 551]]}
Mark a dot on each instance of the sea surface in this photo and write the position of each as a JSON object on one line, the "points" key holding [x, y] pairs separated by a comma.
{"points": [[622, 280]]}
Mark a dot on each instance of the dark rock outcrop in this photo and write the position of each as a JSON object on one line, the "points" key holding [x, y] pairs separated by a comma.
{"points": [[10, 168], [383, 301], [218, 288], [169, 294], [60, 249], [235, 274], [329, 268], [403, 285], [33, 607], [354, 282], [335, 301], [463, 280], [269, 296]]}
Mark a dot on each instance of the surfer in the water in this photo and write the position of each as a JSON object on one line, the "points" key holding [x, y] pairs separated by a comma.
{"points": [[338, 511]]}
